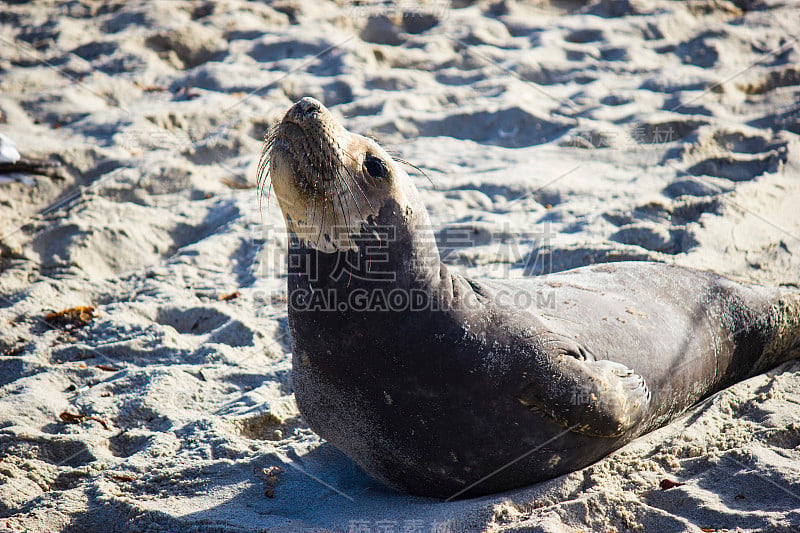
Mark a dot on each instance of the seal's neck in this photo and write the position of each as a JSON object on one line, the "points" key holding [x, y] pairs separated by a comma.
{"points": [[395, 250]]}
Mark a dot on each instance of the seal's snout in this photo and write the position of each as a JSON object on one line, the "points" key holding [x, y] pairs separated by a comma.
{"points": [[313, 139], [307, 106], [304, 109]]}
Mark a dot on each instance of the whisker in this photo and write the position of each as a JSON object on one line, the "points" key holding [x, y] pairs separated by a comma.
{"points": [[337, 176], [350, 191], [262, 171], [345, 220], [360, 188], [322, 225], [415, 167], [313, 207]]}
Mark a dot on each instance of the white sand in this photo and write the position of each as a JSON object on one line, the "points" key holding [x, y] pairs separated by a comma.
{"points": [[667, 132]]}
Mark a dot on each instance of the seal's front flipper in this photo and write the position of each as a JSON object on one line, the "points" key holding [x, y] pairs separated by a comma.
{"points": [[599, 398]]}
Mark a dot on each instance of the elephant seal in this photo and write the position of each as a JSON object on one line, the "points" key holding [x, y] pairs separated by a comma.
{"points": [[446, 386]]}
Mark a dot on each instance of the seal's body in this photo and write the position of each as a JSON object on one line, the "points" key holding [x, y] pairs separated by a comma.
{"points": [[444, 386]]}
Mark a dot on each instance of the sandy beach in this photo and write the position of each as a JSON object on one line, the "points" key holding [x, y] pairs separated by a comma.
{"points": [[145, 358]]}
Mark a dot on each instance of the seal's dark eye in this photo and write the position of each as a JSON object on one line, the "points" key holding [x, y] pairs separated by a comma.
{"points": [[375, 167]]}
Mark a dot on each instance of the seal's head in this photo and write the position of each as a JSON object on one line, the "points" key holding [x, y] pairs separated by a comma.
{"points": [[330, 182]]}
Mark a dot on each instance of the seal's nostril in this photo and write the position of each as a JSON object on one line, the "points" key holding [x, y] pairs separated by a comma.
{"points": [[308, 105]]}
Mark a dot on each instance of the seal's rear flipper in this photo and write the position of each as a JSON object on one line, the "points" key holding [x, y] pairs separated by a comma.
{"points": [[784, 343], [599, 398]]}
